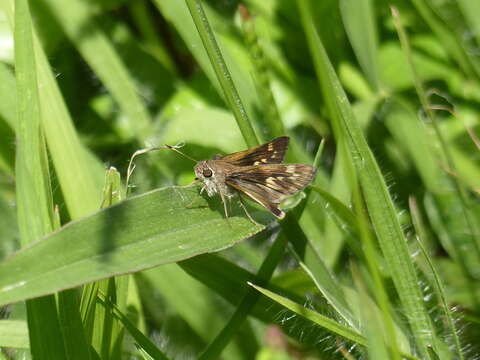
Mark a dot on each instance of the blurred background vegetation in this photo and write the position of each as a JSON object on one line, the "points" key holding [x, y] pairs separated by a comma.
{"points": [[135, 73]]}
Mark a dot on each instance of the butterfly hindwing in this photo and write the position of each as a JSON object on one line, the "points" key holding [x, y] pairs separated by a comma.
{"points": [[270, 184], [272, 152]]}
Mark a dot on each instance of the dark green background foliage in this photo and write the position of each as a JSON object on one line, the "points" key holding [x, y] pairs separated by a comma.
{"points": [[379, 258]]}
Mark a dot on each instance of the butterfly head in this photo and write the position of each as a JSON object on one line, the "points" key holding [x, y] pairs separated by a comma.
{"points": [[205, 172]]}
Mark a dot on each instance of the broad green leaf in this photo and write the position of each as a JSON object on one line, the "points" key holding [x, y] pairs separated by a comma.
{"points": [[165, 225], [14, 334]]}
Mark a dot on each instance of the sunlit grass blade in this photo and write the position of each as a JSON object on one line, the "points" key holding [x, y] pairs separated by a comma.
{"points": [[77, 171], [162, 226], [378, 200], [34, 197]]}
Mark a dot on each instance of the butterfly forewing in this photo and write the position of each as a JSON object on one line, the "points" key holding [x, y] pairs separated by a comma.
{"points": [[270, 184], [272, 152]]}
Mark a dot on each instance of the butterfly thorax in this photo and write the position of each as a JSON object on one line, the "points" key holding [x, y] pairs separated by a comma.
{"points": [[212, 173]]}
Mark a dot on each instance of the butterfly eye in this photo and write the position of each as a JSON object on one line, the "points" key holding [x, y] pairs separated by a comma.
{"points": [[207, 173]]}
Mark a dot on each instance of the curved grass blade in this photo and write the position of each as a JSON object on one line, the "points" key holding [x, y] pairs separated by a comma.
{"points": [[317, 318], [144, 342], [163, 226]]}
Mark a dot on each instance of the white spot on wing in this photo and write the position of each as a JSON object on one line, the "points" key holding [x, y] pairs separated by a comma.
{"points": [[291, 169]]}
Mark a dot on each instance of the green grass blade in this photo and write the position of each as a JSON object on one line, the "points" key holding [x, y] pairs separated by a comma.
{"points": [[7, 92], [378, 200], [107, 331], [359, 21], [14, 334], [197, 306], [34, 197], [98, 51], [328, 286], [372, 322], [162, 226], [439, 287], [272, 119], [7, 119], [248, 301], [451, 43], [77, 171], [466, 245], [379, 291], [76, 345], [223, 74], [230, 281], [469, 8], [144, 342], [315, 317]]}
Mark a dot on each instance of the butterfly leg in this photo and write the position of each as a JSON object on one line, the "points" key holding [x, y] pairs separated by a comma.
{"points": [[224, 200], [246, 211], [193, 183]]}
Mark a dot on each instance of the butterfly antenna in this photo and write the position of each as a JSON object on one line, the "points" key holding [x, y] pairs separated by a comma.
{"points": [[175, 148]]}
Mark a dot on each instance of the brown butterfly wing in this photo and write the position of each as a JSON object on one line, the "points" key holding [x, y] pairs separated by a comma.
{"points": [[269, 184], [271, 152]]}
